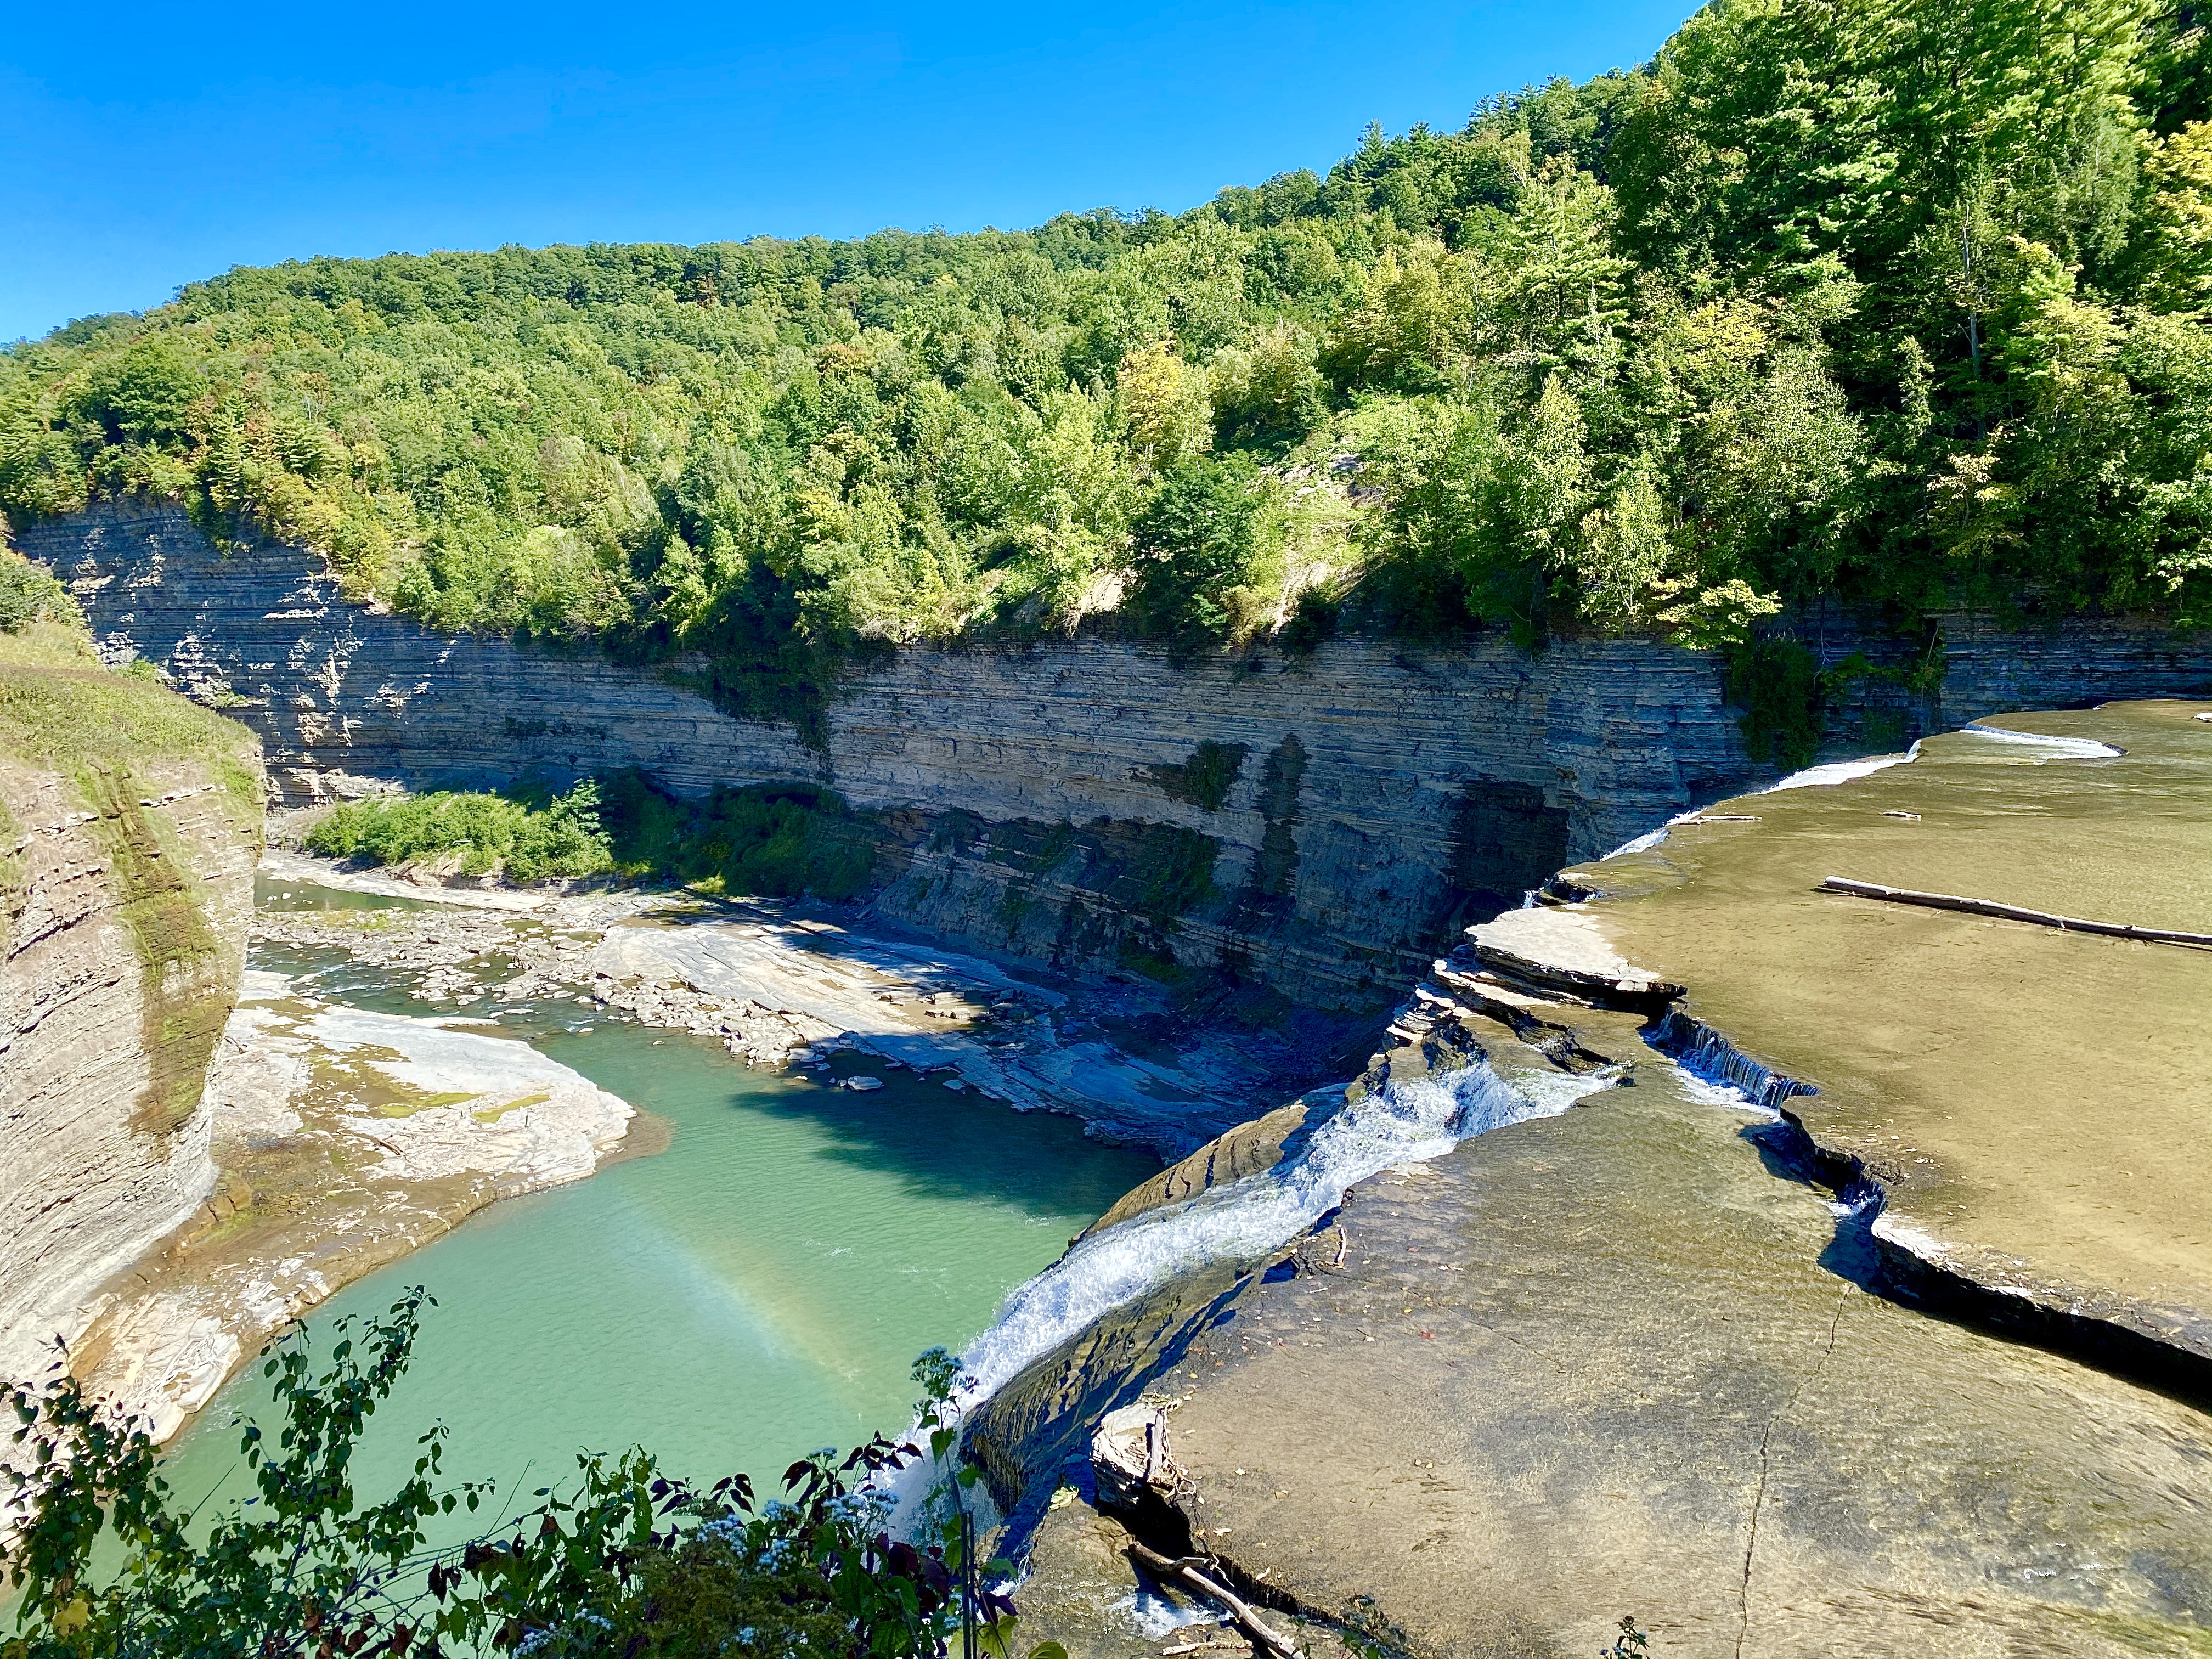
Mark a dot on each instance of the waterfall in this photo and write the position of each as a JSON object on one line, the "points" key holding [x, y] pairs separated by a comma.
{"points": [[1835, 772], [1813, 777], [1404, 1122], [1707, 1055]]}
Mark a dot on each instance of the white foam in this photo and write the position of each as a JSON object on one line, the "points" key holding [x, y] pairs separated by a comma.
{"points": [[1154, 1617], [2060, 748], [1406, 1122], [1835, 772], [1707, 1092], [1812, 777], [1644, 843]]}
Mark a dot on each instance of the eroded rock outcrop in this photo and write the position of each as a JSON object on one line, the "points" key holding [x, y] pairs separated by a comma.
{"points": [[345, 1139], [1321, 823], [130, 822], [1639, 1357], [2013, 1103]]}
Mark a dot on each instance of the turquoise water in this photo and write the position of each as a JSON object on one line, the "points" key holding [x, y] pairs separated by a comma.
{"points": [[757, 1290]]}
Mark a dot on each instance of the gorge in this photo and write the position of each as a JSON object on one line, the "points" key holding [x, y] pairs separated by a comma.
{"points": [[1535, 1047], [1267, 834]]}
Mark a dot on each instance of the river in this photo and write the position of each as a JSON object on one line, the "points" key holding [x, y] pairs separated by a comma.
{"points": [[759, 1289], [2031, 1099]]}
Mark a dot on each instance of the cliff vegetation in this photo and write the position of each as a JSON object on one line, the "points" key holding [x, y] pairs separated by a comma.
{"points": [[1900, 300], [108, 733], [782, 839]]}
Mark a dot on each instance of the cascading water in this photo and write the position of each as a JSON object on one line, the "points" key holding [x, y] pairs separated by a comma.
{"points": [[1835, 772], [1813, 777], [1404, 1122], [2053, 748], [1707, 1055]]}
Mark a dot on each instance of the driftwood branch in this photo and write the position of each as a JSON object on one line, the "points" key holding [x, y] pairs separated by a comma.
{"points": [[1974, 907], [1187, 1573]]}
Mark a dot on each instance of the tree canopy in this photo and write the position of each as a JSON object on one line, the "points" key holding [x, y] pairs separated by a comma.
{"points": [[1899, 301]]}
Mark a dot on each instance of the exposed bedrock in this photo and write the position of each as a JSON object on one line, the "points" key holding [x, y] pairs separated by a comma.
{"points": [[2020, 1103], [126, 884], [345, 1139], [1613, 1360], [1323, 822]]}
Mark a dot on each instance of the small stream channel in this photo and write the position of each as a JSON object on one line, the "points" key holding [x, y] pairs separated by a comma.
{"points": [[757, 1290]]}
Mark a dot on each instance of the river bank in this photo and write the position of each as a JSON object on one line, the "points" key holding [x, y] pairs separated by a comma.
{"points": [[1644, 1356], [377, 1084]]}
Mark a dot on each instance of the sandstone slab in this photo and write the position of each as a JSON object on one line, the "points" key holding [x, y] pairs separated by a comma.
{"points": [[345, 1139]]}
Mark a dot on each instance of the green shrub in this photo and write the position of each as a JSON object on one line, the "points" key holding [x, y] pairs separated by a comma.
{"points": [[562, 838], [782, 840], [627, 1561], [1193, 543], [28, 594], [1777, 682]]}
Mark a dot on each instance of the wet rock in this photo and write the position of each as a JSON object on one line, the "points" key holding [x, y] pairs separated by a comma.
{"points": [[1620, 1360], [2015, 1097]]}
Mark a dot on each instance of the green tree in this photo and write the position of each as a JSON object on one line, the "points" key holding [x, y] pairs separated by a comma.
{"points": [[1193, 543]]}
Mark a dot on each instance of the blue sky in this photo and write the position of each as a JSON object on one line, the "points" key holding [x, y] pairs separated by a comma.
{"points": [[144, 147]]}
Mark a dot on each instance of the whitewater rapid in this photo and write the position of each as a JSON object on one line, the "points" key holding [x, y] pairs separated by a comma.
{"points": [[1402, 1123], [1826, 776], [2057, 748]]}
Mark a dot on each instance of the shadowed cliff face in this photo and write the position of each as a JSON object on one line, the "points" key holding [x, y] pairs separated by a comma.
{"points": [[1317, 824]]}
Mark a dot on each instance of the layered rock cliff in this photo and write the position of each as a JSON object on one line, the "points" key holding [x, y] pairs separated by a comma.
{"points": [[129, 824], [1319, 823]]}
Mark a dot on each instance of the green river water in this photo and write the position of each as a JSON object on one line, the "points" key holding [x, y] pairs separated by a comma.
{"points": [[758, 1290]]}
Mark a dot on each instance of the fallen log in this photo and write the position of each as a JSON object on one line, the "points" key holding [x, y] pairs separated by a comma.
{"points": [[1187, 1573], [1974, 907]]}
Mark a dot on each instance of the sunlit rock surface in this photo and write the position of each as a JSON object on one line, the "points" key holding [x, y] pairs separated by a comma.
{"points": [[345, 1139], [1599, 1364], [126, 883]]}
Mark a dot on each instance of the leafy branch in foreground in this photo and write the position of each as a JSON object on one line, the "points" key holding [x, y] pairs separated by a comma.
{"points": [[630, 1562]]}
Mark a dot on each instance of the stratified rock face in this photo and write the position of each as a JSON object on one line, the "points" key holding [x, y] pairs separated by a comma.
{"points": [[1321, 823], [125, 897]]}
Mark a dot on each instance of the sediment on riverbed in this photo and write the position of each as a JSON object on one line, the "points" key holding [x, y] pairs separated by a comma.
{"points": [[345, 1139]]}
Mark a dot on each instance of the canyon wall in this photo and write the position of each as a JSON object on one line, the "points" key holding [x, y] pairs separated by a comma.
{"points": [[126, 885], [1319, 824]]}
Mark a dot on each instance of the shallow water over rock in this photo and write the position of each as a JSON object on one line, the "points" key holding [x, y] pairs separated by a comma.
{"points": [[2034, 1102]]}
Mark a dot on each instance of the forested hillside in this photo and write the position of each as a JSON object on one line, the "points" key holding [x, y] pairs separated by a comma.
{"points": [[1900, 300]]}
